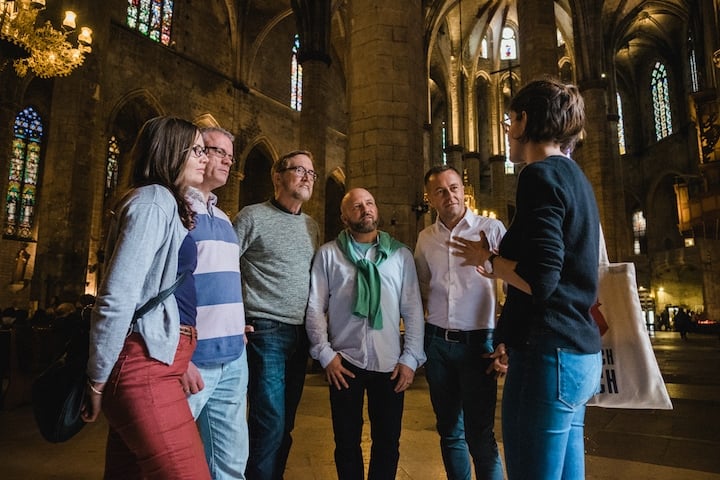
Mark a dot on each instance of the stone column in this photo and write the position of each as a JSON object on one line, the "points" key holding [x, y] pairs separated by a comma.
{"points": [[313, 22], [73, 162], [387, 100], [537, 39], [598, 155]]}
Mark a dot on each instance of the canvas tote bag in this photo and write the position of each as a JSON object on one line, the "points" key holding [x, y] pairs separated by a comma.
{"points": [[630, 374]]}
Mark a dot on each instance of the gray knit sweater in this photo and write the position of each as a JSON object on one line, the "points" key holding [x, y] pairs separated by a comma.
{"points": [[276, 251]]}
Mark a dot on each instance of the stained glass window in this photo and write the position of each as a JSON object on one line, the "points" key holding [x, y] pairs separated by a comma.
{"points": [[23, 176], [661, 101], [508, 45], [152, 18], [296, 77], [639, 225], [111, 167], [620, 126]]}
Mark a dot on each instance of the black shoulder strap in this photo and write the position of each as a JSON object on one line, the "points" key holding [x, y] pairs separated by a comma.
{"points": [[156, 300]]}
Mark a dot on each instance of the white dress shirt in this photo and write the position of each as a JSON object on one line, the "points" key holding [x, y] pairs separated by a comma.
{"points": [[333, 329], [456, 297]]}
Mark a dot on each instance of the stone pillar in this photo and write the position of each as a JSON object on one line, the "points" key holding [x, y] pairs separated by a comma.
{"points": [[73, 162], [313, 22], [313, 131], [537, 39], [598, 154], [387, 100]]}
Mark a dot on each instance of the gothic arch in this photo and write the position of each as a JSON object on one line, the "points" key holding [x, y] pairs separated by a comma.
{"points": [[255, 165]]}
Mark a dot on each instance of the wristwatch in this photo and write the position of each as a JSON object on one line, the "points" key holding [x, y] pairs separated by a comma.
{"points": [[488, 265]]}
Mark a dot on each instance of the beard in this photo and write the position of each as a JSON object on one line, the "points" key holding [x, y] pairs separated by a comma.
{"points": [[366, 225]]}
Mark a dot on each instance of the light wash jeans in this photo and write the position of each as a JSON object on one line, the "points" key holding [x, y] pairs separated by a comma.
{"points": [[220, 411], [543, 411]]}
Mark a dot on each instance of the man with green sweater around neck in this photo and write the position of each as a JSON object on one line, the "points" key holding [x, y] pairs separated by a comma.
{"points": [[362, 285], [277, 243]]}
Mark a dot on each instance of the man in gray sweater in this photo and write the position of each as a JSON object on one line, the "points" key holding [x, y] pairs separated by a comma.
{"points": [[277, 244]]}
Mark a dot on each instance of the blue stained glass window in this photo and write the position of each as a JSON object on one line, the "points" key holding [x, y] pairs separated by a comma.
{"points": [[661, 101], [296, 77], [111, 167], [23, 176]]}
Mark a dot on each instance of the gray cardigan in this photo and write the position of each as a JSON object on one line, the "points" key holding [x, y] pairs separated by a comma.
{"points": [[141, 260]]}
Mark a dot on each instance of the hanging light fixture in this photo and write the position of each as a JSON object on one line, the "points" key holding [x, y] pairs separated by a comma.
{"points": [[44, 50]]}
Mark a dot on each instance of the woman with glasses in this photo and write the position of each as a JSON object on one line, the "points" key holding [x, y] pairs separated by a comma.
{"points": [[546, 339], [134, 368]]}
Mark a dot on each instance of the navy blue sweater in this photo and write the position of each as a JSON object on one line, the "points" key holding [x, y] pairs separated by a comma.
{"points": [[554, 238]]}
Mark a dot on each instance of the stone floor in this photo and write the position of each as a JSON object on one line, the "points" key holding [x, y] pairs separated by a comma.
{"points": [[681, 444]]}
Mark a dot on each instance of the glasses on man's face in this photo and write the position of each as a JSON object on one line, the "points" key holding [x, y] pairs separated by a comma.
{"points": [[219, 153], [302, 171], [198, 150]]}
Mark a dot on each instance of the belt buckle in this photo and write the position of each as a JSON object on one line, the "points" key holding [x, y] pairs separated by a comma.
{"points": [[448, 339]]}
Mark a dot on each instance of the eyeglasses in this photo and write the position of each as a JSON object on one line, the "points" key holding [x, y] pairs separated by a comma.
{"points": [[219, 153], [198, 150], [302, 171]]}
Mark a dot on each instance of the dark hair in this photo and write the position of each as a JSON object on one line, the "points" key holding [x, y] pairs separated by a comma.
{"points": [[436, 169], [282, 162], [555, 112], [159, 155]]}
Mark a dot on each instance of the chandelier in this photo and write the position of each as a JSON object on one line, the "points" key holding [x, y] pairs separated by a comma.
{"points": [[43, 49]]}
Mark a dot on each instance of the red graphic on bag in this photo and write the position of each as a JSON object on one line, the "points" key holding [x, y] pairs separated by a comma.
{"points": [[599, 318]]}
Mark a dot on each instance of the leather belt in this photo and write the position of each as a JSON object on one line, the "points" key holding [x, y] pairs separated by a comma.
{"points": [[466, 337], [188, 331]]}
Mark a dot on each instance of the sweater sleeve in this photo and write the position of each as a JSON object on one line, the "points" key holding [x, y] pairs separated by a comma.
{"points": [[142, 229], [542, 200]]}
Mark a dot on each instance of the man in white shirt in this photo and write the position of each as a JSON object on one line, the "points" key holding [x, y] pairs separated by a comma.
{"points": [[460, 305], [361, 285]]}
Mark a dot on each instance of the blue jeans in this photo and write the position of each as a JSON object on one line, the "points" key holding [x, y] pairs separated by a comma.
{"points": [[385, 409], [220, 411], [543, 411], [463, 398], [277, 360]]}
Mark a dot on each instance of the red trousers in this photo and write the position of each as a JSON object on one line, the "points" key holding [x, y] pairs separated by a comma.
{"points": [[152, 432]]}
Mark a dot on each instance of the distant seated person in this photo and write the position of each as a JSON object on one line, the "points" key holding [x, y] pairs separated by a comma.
{"points": [[8, 317]]}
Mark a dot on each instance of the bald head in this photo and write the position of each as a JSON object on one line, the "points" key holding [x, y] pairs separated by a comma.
{"points": [[359, 213]]}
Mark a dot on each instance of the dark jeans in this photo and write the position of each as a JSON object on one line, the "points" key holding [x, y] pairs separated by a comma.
{"points": [[277, 359], [385, 409], [463, 398]]}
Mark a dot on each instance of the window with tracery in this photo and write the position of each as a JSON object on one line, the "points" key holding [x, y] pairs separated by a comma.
{"points": [[639, 225], [620, 125], [484, 48], [23, 177], [509, 166], [152, 18], [508, 44], [111, 167], [661, 101], [296, 77], [443, 140], [694, 78]]}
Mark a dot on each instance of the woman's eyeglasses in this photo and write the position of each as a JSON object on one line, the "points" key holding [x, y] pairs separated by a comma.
{"points": [[198, 150]]}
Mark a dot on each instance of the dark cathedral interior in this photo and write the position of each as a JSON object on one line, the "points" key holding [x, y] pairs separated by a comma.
{"points": [[378, 91]]}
